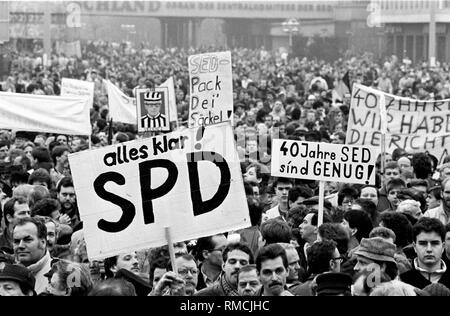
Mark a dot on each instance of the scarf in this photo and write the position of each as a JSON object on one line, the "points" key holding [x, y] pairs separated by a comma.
{"points": [[227, 288]]}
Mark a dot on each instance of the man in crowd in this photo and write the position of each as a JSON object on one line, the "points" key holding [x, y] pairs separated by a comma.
{"points": [[14, 210], [248, 281], [446, 255], [182, 283], [429, 244], [235, 256], [282, 187], [16, 280], [323, 257], [30, 249], [209, 255], [272, 266], [442, 212], [68, 200]]}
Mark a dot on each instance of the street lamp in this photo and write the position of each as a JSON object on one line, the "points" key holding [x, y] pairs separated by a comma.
{"points": [[290, 26]]}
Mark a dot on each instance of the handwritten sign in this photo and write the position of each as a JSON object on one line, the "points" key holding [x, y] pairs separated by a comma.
{"points": [[323, 161], [211, 87]]}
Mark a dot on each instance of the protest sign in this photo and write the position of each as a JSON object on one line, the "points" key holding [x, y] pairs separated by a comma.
{"points": [[152, 107], [171, 99], [413, 125], [46, 114], [73, 87], [121, 107], [187, 180], [323, 161], [211, 89]]}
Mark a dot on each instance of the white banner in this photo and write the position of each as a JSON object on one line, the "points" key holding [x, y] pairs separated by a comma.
{"points": [[73, 87], [211, 84], [128, 193], [323, 161], [46, 114], [121, 107], [413, 125], [172, 100]]}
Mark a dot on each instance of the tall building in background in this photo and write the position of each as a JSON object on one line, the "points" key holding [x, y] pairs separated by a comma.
{"points": [[325, 28]]}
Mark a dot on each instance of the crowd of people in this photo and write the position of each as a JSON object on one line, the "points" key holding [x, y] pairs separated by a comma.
{"points": [[392, 238]]}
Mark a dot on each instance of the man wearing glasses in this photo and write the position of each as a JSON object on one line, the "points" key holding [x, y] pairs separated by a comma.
{"points": [[209, 255], [319, 253], [181, 283]]}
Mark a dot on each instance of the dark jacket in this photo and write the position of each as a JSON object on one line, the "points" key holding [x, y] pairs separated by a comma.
{"points": [[415, 278], [215, 290], [303, 289], [383, 202], [6, 243]]}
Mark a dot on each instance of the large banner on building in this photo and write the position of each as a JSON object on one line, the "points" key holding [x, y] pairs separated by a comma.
{"points": [[45, 114], [211, 84], [187, 180], [414, 125]]}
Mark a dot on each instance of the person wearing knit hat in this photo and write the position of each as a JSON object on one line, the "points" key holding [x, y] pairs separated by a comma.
{"points": [[377, 253], [16, 280]]}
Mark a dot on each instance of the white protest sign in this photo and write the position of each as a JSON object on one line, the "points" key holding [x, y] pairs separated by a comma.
{"points": [[173, 117], [121, 107], [323, 161], [413, 125], [211, 89], [73, 87], [152, 107], [186, 180], [47, 114]]}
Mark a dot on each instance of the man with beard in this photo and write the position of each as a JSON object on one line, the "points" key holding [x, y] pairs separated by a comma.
{"points": [[442, 212], [248, 281], [68, 200], [272, 265], [235, 256], [183, 283], [126, 266]]}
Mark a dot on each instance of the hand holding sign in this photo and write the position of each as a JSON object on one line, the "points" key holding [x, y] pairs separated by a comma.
{"points": [[140, 187]]}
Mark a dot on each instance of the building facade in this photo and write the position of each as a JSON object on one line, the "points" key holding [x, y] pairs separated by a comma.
{"points": [[384, 27]]}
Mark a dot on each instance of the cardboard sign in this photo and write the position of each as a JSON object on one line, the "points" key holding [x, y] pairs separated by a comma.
{"points": [[211, 89], [73, 87], [45, 114], [153, 110], [323, 161], [187, 180], [414, 125]]}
